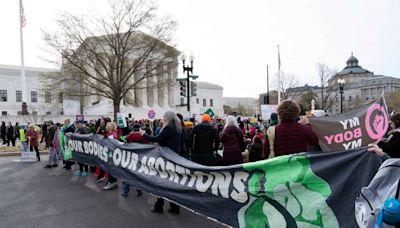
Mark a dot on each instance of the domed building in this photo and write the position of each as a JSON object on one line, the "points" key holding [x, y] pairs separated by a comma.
{"points": [[361, 86]]}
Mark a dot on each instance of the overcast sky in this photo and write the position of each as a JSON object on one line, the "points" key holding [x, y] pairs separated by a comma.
{"points": [[233, 41]]}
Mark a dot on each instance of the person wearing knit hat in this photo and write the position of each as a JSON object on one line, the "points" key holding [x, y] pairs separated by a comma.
{"points": [[205, 118], [188, 124], [204, 141]]}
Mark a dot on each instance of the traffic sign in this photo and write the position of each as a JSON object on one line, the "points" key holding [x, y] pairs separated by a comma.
{"points": [[210, 112]]}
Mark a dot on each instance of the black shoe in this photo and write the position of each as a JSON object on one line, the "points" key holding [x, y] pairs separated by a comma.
{"points": [[175, 212], [64, 167], [139, 193], [47, 166], [160, 211], [55, 165]]}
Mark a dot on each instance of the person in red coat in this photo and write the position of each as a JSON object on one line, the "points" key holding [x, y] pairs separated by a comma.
{"points": [[290, 136], [32, 137]]}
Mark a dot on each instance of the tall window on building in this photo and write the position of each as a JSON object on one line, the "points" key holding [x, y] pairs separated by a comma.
{"points": [[18, 95], [182, 101], [60, 98], [47, 97], [204, 102], [33, 96], [34, 113], [211, 102], [4, 113], [197, 100], [3, 95]]}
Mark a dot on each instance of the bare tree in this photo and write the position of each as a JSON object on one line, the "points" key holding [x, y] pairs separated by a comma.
{"points": [[324, 74], [286, 81], [111, 55]]}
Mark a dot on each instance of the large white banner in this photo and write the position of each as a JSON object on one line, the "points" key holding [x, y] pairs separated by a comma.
{"points": [[267, 110]]}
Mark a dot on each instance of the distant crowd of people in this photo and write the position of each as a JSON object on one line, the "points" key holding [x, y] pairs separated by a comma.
{"points": [[211, 142]]}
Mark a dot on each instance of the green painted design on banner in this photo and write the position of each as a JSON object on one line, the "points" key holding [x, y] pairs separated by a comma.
{"points": [[110, 154], [287, 193]]}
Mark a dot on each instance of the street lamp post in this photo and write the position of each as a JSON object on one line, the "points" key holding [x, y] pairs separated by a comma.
{"points": [[189, 70], [341, 87]]}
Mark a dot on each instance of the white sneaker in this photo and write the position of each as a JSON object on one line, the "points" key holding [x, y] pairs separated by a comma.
{"points": [[101, 180], [110, 186]]}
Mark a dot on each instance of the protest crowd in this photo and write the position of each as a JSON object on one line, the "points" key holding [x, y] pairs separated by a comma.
{"points": [[210, 142]]}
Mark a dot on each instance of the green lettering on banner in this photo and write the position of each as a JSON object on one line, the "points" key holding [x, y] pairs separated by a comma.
{"points": [[285, 192]]}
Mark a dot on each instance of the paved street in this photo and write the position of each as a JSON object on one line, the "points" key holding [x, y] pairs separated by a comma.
{"points": [[31, 196]]}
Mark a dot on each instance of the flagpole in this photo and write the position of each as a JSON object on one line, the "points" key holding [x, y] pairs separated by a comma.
{"points": [[279, 77], [23, 80]]}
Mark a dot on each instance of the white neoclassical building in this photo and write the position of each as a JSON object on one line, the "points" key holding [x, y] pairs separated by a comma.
{"points": [[209, 96], [39, 101], [45, 105]]}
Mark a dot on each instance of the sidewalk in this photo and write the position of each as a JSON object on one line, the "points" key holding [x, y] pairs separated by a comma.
{"points": [[6, 151]]}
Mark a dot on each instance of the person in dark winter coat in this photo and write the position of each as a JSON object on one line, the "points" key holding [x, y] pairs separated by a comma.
{"points": [[10, 134], [391, 145], [232, 138], [204, 141], [83, 168], [170, 136], [183, 150], [256, 150], [52, 132], [3, 132]]}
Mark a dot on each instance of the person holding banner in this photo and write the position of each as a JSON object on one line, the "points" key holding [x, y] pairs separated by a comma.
{"points": [[289, 136], [32, 137], [391, 145], [111, 129], [170, 136]]}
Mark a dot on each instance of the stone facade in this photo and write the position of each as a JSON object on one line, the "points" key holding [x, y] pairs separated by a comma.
{"points": [[209, 95], [361, 86], [249, 104], [39, 101]]}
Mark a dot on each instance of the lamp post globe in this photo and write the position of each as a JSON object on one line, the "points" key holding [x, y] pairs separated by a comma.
{"points": [[183, 57]]}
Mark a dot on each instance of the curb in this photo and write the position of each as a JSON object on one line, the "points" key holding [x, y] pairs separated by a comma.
{"points": [[17, 154]]}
